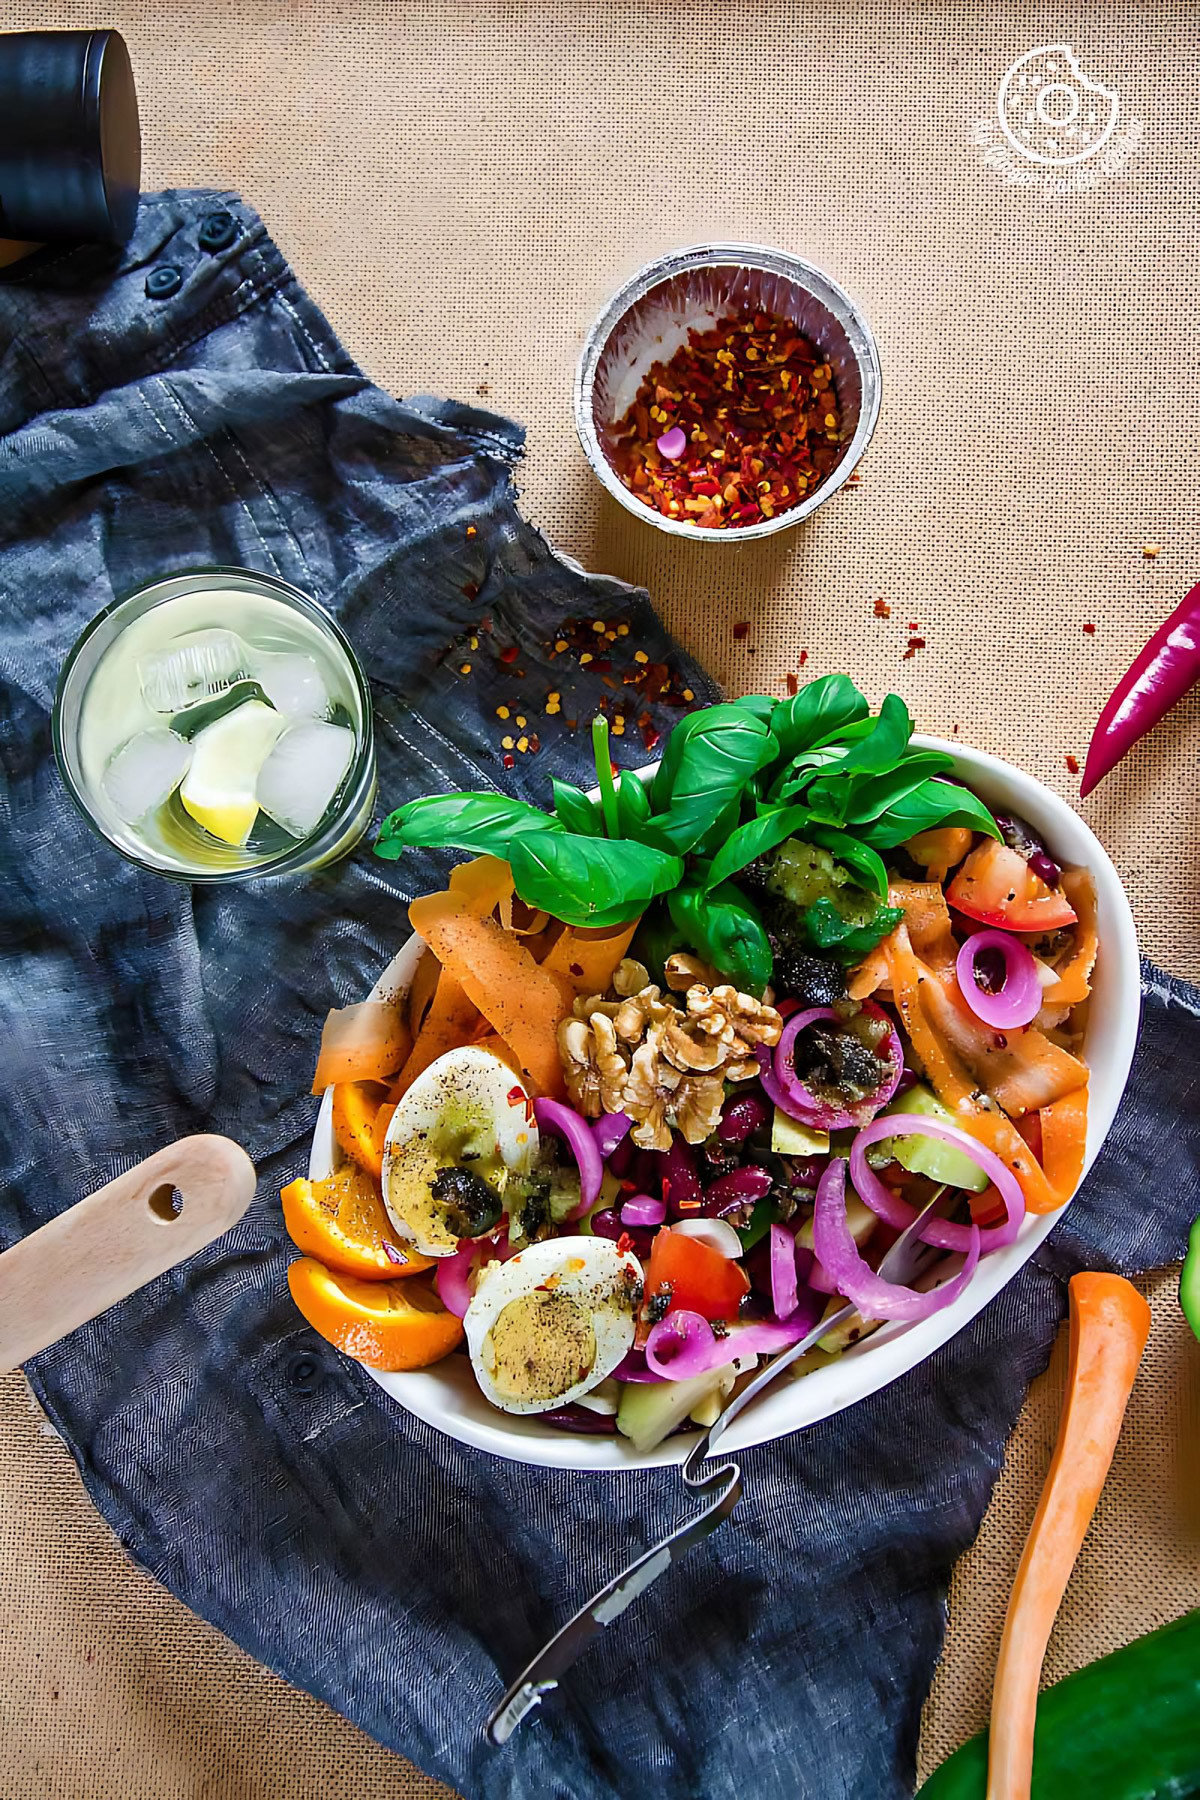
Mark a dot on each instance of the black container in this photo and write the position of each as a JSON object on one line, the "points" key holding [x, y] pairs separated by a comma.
{"points": [[70, 145]]}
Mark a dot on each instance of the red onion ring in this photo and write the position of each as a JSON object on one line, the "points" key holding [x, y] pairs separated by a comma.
{"points": [[564, 1122], [874, 1297], [716, 1233], [610, 1130], [693, 1348], [789, 1092], [784, 1292], [1019, 1000], [453, 1273], [898, 1213]]}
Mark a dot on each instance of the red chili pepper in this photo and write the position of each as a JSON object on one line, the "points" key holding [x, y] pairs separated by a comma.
{"points": [[1160, 676]]}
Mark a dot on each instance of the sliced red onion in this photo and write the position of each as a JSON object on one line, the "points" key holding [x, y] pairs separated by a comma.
{"points": [[609, 1130], [820, 1280], [1019, 998], [452, 1280], [575, 1131], [683, 1344], [783, 1270], [633, 1368], [642, 1209], [715, 1233], [898, 1213], [790, 1093], [672, 444], [874, 1297]]}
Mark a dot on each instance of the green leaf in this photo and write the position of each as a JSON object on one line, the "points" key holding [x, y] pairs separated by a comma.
{"points": [[633, 803], [711, 757], [589, 880], [874, 794], [754, 839], [872, 751], [575, 811], [935, 802], [859, 858], [828, 930], [765, 1213], [720, 829], [759, 706], [489, 824], [723, 927], [816, 714]]}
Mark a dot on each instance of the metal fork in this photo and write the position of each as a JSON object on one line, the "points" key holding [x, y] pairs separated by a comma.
{"points": [[719, 1489]]}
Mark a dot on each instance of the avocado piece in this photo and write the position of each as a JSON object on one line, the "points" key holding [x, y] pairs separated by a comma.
{"points": [[928, 1156], [790, 1138], [804, 873], [650, 1410]]}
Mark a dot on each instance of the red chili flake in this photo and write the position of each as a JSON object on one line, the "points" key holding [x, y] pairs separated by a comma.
{"points": [[956, 731], [510, 655], [516, 1096], [882, 610], [535, 743], [793, 683], [803, 658], [1073, 764], [510, 762], [576, 969], [760, 419], [913, 625], [1091, 630], [471, 590], [651, 737], [624, 1244], [742, 628]]}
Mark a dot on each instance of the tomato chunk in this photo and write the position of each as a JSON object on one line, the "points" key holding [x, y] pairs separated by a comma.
{"points": [[700, 1279], [996, 886]]}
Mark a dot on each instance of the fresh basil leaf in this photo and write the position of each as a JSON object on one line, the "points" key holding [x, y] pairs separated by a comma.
{"points": [[711, 757], [765, 1213], [828, 799], [875, 750], [759, 706], [590, 880], [723, 927], [828, 930], [633, 803], [874, 794], [488, 823], [754, 839], [859, 858], [575, 812], [816, 714], [935, 802], [718, 832]]}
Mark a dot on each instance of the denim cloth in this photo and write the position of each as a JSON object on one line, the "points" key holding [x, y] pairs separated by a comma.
{"points": [[264, 1479]]}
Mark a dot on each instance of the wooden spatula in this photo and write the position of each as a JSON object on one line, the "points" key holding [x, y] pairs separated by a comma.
{"points": [[117, 1239]]}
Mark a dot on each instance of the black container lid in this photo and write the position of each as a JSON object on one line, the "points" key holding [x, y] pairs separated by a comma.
{"points": [[70, 144]]}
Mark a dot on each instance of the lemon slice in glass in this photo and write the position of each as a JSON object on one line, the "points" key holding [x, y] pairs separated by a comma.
{"points": [[218, 789]]}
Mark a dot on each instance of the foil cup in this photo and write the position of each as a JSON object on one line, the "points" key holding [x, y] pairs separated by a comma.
{"points": [[649, 320]]}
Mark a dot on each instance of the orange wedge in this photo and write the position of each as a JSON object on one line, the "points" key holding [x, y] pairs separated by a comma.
{"points": [[385, 1324], [342, 1221], [355, 1104]]}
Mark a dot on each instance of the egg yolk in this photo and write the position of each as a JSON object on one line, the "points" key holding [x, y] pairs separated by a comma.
{"points": [[542, 1344]]}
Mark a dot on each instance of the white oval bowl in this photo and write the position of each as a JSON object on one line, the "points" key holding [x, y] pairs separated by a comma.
{"points": [[446, 1395]]}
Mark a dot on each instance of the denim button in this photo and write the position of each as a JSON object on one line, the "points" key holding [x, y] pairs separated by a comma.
{"points": [[303, 1372], [218, 231], [164, 281]]}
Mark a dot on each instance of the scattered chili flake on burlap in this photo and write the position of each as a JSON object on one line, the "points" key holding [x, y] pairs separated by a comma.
{"points": [[1091, 630], [1073, 764], [793, 683], [882, 610], [760, 419], [742, 628]]}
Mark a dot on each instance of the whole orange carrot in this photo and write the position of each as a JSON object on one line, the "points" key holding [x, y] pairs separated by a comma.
{"points": [[1110, 1323]]}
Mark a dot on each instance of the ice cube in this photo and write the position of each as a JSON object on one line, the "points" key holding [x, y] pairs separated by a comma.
{"points": [[292, 683], [197, 667], [145, 772], [302, 774]]}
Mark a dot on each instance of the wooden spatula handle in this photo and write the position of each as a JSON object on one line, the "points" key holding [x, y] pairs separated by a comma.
{"points": [[117, 1239]]}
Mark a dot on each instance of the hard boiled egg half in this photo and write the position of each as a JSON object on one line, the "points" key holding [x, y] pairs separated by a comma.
{"points": [[553, 1322], [461, 1134]]}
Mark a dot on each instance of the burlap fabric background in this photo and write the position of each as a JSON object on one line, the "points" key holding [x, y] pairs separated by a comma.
{"points": [[460, 185]]}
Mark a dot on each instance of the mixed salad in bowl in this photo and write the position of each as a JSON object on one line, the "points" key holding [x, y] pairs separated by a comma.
{"points": [[680, 1059]]}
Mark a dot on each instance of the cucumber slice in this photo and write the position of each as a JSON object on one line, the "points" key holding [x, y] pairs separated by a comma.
{"points": [[790, 1138], [649, 1410], [926, 1156]]}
